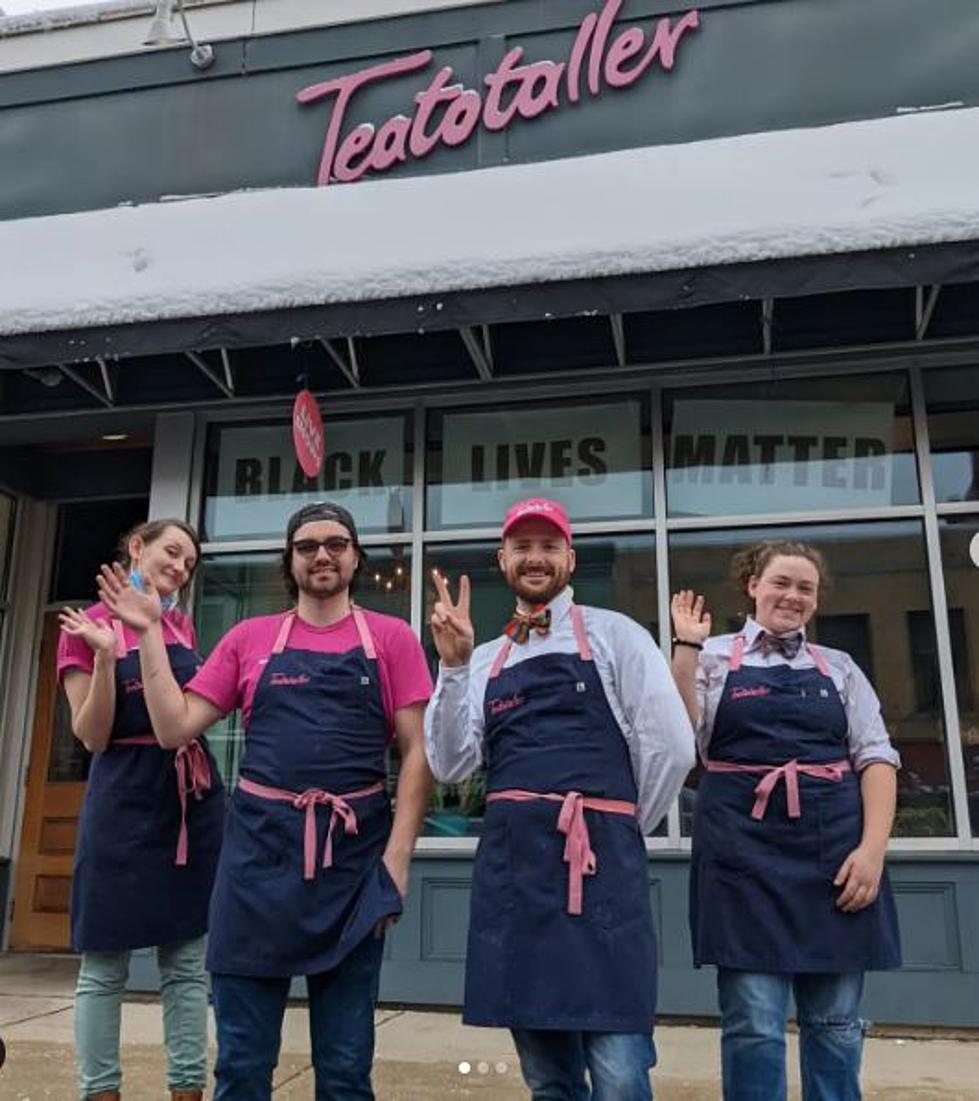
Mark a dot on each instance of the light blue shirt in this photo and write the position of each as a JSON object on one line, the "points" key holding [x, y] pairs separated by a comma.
{"points": [[867, 737], [637, 683]]}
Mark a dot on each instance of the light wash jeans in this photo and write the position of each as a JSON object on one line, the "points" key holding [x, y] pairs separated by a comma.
{"points": [[554, 1065], [754, 1008], [98, 1012]]}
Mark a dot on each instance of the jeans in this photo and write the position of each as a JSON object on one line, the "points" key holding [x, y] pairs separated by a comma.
{"points": [[754, 1008], [249, 1010], [554, 1065], [98, 1013]]}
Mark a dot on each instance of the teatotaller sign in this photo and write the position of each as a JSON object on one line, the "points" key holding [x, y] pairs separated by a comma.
{"points": [[446, 113]]}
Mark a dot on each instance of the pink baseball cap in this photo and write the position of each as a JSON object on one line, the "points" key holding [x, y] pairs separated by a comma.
{"points": [[538, 508]]}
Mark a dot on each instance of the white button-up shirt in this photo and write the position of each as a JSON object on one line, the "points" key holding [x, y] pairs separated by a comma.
{"points": [[867, 737], [637, 682]]}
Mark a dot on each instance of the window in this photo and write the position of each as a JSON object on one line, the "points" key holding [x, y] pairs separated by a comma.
{"points": [[953, 427], [593, 458], [878, 607], [790, 446], [253, 482]]}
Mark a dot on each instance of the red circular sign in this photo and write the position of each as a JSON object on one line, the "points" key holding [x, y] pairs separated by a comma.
{"points": [[307, 433]]}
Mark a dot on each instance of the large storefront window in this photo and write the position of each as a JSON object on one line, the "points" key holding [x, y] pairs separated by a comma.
{"points": [[809, 445], [953, 427], [253, 482], [613, 571], [878, 609], [7, 511], [236, 586], [594, 458], [960, 562]]}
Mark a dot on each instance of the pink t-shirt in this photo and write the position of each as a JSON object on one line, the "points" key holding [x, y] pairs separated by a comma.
{"points": [[75, 653], [230, 675]]}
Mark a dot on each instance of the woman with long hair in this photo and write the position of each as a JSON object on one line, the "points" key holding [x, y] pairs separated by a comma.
{"points": [[150, 827], [788, 891]]}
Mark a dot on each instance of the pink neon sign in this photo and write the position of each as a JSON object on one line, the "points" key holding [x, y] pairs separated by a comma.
{"points": [[447, 113]]}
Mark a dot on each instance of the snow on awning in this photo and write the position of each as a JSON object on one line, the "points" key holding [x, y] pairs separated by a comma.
{"points": [[911, 180]]}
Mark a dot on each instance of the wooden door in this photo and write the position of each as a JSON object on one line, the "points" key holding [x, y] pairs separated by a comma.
{"points": [[56, 778]]}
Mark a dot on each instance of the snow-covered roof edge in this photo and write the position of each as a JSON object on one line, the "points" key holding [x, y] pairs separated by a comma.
{"points": [[879, 184]]}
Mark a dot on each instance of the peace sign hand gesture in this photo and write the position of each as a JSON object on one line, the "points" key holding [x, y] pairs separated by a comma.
{"points": [[452, 629]]}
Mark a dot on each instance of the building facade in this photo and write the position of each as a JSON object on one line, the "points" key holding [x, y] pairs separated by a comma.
{"points": [[706, 275]]}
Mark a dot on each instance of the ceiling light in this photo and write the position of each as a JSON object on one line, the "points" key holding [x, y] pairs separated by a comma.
{"points": [[114, 437]]}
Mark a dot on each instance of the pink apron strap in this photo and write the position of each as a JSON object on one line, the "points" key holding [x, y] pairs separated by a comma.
{"points": [[580, 634], [818, 658], [193, 778], [364, 631], [737, 653], [121, 647], [283, 636], [500, 660]]}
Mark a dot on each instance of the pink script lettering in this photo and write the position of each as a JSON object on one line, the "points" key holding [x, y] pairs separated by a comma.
{"points": [[447, 113], [749, 693], [500, 707]]}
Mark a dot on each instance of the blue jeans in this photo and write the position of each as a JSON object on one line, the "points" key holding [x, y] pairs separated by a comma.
{"points": [[98, 1011], [554, 1065], [754, 1009], [248, 1012]]}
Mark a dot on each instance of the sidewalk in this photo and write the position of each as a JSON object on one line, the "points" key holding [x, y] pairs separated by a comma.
{"points": [[419, 1055]]}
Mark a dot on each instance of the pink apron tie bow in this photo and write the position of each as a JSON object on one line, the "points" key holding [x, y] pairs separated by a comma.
{"points": [[790, 771], [193, 778], [308, 801]]}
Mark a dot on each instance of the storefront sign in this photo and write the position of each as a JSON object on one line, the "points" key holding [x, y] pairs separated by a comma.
{"points": [[731, 457], [446, 113], [588, 457], [260, 482], [307, 433]]}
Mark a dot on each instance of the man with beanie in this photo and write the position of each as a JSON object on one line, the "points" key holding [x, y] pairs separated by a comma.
{"points": [[585, 741], [313, 869]]}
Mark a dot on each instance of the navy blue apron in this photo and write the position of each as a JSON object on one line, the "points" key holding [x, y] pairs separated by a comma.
{"points": [[128, 890], [761, 888], [317, 731], [531, 963]]}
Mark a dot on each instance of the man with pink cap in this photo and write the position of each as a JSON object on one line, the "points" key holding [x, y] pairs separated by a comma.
{"points": [[585, 742]]}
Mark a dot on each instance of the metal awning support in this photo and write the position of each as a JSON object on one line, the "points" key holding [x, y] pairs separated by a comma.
{"points": [[479, 351], [767, 317], [79, 380], [924, 309], [349, 368], [618, 337], [206, 369], [106, 379], [229, 378]]}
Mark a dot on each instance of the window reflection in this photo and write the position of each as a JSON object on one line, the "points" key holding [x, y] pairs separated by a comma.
{"points": [[877, 608], [962, 594], [790, 446], [953, 427], [617, 572]]}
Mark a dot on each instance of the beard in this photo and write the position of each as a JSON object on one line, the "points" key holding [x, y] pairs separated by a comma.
{"points": [[323, 584], [539, 593]]}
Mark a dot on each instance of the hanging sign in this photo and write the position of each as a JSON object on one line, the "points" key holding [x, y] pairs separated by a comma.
{"points": [[447, 113], [307, 433]]}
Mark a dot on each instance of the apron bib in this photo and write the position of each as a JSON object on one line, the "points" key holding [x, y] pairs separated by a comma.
{"points": [[561, 932], [301, 882], [778, 811], [150, 829]]}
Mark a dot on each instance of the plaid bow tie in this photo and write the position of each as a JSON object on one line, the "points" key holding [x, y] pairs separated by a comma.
{"points": [[519, 628], [787, 645]]}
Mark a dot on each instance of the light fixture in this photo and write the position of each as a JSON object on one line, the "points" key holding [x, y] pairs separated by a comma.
{"points": [[115, 437], [163, 33], [46, 376]]}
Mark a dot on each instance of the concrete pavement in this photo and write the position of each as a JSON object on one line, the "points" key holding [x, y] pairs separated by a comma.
{"points": [[420, 1056]]}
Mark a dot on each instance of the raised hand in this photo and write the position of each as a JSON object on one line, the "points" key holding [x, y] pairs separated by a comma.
{"points": [[452, 629], [137, 610], [97, 633], [690, 622]]}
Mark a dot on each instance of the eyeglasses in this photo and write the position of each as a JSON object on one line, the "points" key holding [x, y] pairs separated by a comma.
{"points": [[334, 546]]}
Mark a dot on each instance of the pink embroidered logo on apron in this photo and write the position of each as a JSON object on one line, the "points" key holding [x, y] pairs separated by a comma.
{"points": [[749, 693]]}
